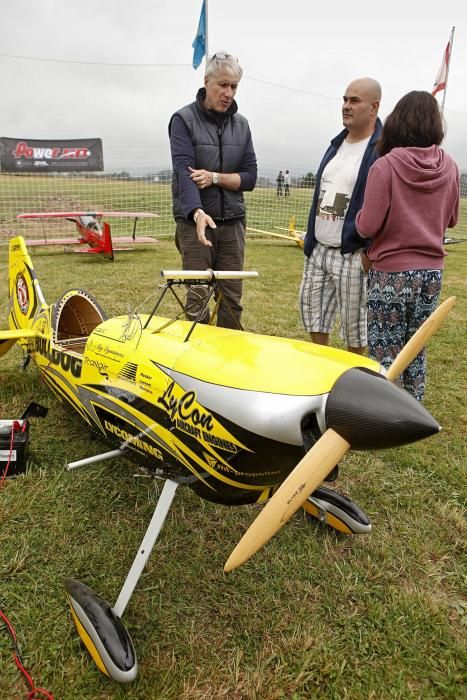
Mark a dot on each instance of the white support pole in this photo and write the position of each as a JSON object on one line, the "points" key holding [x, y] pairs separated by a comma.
{"points": [[451, 42], [208, 275], [206, 43], [145, 549], [96, 458]]}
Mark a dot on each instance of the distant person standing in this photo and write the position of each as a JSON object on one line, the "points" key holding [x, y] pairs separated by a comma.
{"points": [[213, 164], [334, 277], [411, 197], [280, 183], [286, 184]]}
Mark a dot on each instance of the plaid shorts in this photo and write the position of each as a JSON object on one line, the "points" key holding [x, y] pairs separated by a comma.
{"points": [[334, 283]]}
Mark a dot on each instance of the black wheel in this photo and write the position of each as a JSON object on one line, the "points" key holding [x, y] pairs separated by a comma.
{"points": [[337, 511]]}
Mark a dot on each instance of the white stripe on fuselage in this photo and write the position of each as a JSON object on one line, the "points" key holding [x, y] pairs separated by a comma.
{"points": [[274, 416]]}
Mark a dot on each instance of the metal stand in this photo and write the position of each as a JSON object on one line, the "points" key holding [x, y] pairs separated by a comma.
{"points": [[146, 546], [207, 278]]}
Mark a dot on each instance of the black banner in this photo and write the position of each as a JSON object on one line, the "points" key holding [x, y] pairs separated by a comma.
{"points": [[50, 156]]}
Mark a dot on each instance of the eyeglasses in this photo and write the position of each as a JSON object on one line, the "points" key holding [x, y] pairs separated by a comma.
{"points": [[223, 56]]}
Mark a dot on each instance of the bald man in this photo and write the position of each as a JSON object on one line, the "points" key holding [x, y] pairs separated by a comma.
{"points": [[334, 276]]}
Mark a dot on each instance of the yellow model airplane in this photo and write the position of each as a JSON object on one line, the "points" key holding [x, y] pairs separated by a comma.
{"points": [[237, 417], [298, 237]]}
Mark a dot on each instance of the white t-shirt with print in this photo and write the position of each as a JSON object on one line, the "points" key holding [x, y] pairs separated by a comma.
{"points": [[337, 183]]}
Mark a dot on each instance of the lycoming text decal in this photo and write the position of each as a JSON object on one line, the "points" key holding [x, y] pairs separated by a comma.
{"points": [[133, 440]]}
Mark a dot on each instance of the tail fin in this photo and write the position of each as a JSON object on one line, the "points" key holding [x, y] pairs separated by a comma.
{"points": [[107, 248], [26, 298]]}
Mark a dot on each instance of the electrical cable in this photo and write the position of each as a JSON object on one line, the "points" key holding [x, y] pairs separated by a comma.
{"points": [[34, 692]]}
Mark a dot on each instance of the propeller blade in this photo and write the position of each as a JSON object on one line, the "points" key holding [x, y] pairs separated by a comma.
{"points": [[416, 343], [303, 480], [322, 458]]}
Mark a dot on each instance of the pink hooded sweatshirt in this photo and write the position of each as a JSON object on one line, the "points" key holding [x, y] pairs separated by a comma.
{"points": [[411, 197]]}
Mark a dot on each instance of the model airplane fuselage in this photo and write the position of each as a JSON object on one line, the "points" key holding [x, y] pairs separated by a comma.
{"points": [[230, 412], [226, 410]]}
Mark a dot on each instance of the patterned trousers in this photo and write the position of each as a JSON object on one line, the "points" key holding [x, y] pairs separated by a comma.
{"points": [[398, 304]]}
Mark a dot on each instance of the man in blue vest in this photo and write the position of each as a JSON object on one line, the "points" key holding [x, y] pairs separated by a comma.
{"points": [[334, 276], [213, 164]]}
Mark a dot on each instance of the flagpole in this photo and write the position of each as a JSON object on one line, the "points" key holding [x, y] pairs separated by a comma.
{"points": [[451, 41], [207, 30]]}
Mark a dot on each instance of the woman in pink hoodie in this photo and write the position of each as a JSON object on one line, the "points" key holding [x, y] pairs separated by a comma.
{"points": [[411, 197]]}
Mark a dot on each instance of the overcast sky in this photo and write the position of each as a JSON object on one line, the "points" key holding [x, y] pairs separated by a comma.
{"points": [[298, 57]]}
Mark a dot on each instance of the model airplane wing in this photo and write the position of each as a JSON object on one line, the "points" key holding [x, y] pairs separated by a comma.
{"points": [[295, 239], [295, 230], [55, 214], [32, 242], [72, 214], [270, 233], [129, 214], [8, 338], [448, 240]]}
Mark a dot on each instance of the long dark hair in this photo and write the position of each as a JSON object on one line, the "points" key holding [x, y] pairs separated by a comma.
{"points": [[416, 120]]}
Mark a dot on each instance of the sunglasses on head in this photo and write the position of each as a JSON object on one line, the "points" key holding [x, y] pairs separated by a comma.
{"points": [[223, 56]]}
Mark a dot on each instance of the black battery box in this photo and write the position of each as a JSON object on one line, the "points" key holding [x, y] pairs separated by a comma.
{"points": [[13, 452]]}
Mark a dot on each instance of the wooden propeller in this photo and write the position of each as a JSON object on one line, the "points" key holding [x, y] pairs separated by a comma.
{"points": [[419, 339], [321, 459]]}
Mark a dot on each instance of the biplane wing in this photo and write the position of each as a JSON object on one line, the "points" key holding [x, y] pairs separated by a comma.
{"points": [[100, 214]]}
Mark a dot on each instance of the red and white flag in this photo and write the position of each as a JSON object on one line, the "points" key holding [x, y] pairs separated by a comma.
{"points": [[441, 78]]}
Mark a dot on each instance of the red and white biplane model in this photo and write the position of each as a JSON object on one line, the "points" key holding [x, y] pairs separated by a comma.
{"points": [[92, 231]]}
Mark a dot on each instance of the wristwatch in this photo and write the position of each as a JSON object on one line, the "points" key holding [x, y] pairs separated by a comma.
{"points": [[215, 178]]}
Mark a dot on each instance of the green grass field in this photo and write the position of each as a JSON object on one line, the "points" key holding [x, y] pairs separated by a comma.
{"points": [[314, 614]]}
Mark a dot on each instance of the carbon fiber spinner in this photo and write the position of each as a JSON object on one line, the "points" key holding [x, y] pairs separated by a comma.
{"points": [[372, 413]]}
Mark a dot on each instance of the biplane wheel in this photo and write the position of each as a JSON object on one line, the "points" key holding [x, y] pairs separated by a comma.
{"points": [[102, 633], [337, 511]]}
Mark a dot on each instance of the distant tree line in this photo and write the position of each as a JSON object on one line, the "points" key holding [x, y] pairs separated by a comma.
{"points": [[308, 180]]}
